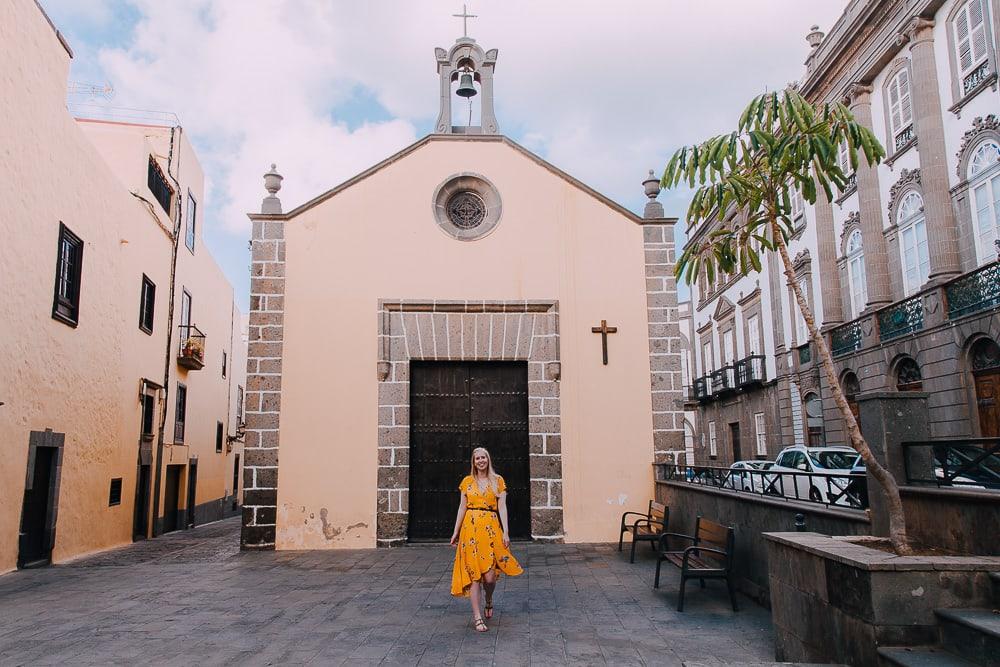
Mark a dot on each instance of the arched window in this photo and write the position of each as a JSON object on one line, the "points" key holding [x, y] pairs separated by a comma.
{"points": [[984, 355], [984, 184], [913, 246], [814, 421], [851, 388], [908, 376], [856, 273]]}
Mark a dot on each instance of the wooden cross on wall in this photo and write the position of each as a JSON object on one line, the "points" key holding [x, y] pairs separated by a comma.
{"points": [[604, 330]]}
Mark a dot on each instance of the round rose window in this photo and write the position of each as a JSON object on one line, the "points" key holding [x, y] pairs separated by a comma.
{"points": [[466, 210]]}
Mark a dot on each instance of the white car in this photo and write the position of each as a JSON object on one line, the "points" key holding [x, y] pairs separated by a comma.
{"points": [[742, 480], [820, 487]]}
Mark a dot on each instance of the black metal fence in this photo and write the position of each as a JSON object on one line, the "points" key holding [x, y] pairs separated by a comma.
{"points": [[972, 463], [823, 488]]}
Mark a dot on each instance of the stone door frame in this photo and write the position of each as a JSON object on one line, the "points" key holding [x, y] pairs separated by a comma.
{"points": [[434, 330]]}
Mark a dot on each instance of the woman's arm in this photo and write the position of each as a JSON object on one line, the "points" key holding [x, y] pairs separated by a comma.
{"points": [[502, 505], [458, 520]]}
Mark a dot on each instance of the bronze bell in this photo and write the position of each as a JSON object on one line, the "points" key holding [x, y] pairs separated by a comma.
{"points": [[465, 87]]}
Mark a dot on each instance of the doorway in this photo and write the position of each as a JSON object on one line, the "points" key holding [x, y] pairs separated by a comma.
{"points": [[734, 437], [171, 494], [236, 482], [38, 513], [192, 493], [985, 363], [455, 407], [140, 517]]}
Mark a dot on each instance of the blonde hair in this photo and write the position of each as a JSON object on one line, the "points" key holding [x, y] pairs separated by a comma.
{"points": [[491, 474]]}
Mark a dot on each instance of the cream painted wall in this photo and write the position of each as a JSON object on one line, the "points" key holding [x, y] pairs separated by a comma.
{"points": [[378, 239], [85, 381]]}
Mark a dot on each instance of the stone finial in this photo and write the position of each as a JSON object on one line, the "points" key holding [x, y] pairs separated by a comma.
{"points": [[272, 183], [815, 37], [654, 209]]}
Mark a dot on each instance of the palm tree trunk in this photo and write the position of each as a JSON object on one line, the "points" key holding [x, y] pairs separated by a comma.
{"points": [[897, 520]]}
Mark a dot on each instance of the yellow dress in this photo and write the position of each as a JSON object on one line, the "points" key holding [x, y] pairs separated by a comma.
{"points": [[480, 540]]}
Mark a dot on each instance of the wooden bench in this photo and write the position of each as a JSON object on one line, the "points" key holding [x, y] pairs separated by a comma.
{"points": [[708, 557], [648, 527]]}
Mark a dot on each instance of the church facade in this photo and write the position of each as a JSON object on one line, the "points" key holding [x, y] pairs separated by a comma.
{"points": [[463, 292]]}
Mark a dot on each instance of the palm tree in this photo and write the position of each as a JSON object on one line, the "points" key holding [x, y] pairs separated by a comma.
{"points": [[781, 142]]}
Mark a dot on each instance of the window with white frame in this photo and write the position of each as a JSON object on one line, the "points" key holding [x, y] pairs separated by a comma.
{"points": [[984, 185], [728, 347], [707, 358], [900, 109], [798, 204], [856, 273], [913, 245], [753, 335], [801, 330], [713, 445], [971, 48], [844, 159], [758, 424]]}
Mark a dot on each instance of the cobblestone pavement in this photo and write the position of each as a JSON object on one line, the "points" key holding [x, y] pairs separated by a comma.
{"points": [[193, 598]]}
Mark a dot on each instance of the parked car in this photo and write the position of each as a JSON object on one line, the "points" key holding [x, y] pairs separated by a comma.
{"points": [[742, 480], [821, 487], [982, 475]]}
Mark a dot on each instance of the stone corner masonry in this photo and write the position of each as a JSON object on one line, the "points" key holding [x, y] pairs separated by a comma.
{"points": [[263, 391]]}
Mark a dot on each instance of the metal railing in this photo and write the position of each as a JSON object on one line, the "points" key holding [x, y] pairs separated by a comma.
{"points": [[901, 318], [751, 370], [904, 137], [973, 292], [701, 389], [955, 462], [191, 347], [846, 339], [976, 77], [723, 380], [821, 488]]}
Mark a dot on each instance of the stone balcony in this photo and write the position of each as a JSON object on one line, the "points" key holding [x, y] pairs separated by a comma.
{"points": [[969, 294]]}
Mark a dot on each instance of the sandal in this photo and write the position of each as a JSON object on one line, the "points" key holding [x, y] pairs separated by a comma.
{"points": [[488, 609], [480, 625]]}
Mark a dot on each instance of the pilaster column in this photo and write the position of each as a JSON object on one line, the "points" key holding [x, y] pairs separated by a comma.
{"points": [[833, 310], [870, 208], [942, 230]]}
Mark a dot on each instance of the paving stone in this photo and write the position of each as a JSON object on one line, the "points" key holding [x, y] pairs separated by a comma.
{"points": [[192, 597]]}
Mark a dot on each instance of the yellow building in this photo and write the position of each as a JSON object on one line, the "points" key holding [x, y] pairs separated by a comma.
{"points": [[462, 292], [122, 358]]}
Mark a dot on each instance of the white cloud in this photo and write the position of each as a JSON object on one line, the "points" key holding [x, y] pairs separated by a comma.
{"points": [[605, 90]]}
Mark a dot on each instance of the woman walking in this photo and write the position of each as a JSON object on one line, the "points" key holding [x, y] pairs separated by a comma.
{"points": [[482, 537]]}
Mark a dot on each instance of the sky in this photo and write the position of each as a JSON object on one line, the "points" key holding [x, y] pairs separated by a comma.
{"points": [[326, 88]]}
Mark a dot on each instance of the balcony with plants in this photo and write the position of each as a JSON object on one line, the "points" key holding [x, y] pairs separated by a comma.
{"points": [[191, 348]]}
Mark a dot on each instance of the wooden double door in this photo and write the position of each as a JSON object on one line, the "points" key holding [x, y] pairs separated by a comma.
{"points": [[454, 408], [988, 401]]}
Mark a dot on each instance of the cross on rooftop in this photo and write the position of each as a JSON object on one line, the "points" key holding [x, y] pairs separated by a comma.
{"points": [[465, 16]]}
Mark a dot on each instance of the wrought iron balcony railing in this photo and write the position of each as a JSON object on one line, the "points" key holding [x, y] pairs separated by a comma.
{"points": [[191, 347], [723, 380], [751, 370], [904, 137], [974, 292], [976, 77], [701, 388], [901, 318], [846, 339]]}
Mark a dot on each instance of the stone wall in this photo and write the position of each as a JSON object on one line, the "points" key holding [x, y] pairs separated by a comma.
{"points": [[838, 601], [473, 331], [963, 521], [263, 392], [751, 516]]}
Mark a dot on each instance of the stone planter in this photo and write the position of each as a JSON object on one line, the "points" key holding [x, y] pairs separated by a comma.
{"points": [[835, 600]]}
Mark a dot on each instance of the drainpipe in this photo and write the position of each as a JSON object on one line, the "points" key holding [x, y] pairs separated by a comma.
{"points": [[168, 357]]}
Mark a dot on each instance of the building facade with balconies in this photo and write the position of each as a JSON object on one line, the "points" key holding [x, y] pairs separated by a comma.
{"points": [[901, 268], [123, 359]]}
